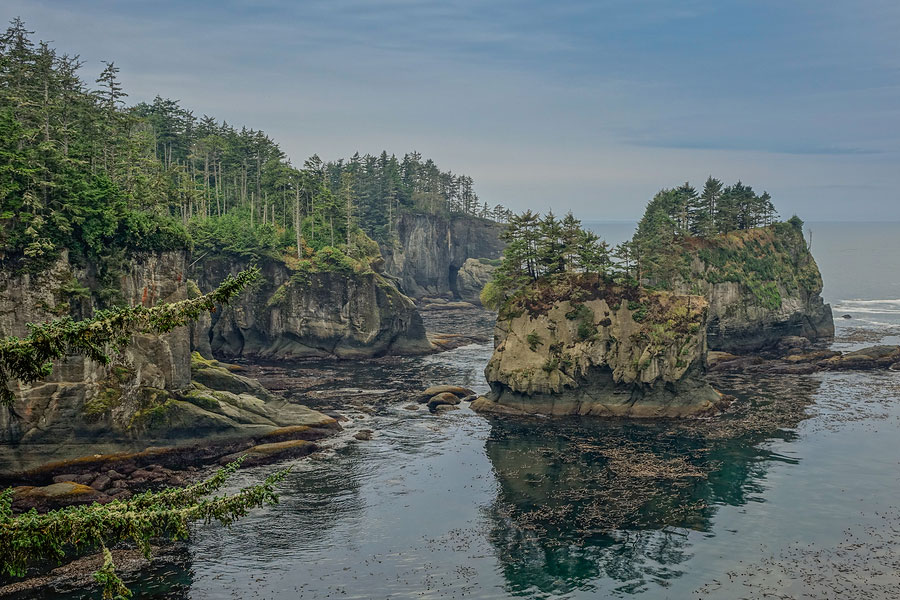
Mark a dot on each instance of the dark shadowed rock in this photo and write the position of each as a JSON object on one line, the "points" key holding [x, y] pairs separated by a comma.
{"points": [[433, 248], [331, 313]]}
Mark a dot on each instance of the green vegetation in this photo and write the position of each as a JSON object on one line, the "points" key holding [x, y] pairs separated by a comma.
{"points": [[83, 172], [32, 539], [678, 221], [730, 229], [534, 340], [544, 248]]}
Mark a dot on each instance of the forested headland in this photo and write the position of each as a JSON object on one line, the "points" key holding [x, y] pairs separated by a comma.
{"points": [[86, 172]]}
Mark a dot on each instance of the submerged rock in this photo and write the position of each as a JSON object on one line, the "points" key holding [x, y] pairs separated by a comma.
{"points": [[613, 351], [268, 453], [434, 390]]}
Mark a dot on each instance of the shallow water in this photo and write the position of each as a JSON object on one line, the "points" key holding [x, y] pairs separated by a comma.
{"points": [[456, 506]]}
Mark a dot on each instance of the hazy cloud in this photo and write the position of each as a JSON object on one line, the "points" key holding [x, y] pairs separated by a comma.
{"points": [[576, 104]]}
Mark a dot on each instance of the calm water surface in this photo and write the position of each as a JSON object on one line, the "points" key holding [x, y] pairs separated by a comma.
{"points": [[797, 492]]}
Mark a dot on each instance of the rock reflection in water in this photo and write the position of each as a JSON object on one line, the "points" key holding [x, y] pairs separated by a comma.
{"points": [[580, 501]]}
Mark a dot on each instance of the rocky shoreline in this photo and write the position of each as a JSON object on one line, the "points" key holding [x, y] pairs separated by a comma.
{"points": [[805, 360]]}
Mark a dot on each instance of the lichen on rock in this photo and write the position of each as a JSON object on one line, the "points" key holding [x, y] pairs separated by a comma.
{"points": [[579, 344]]}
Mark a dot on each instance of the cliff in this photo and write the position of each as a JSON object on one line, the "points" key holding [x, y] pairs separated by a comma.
{"points": [[296, 313], [432, 248], [580, 345], [149, 394], [762, 285]]}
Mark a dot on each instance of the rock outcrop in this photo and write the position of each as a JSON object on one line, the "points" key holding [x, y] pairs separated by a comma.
{"points": [[798, 361], [762, 285], [583, 346], [295, 314], [471, 278], [149, 394], [432, 249]]}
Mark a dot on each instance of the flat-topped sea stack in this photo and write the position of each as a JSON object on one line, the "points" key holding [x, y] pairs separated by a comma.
{"points": [[582, 345]]}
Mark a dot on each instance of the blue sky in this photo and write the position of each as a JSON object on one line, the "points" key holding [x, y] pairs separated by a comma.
{"points": [[584, 105]]}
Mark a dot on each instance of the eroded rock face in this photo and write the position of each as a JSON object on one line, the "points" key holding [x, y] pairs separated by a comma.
{"points": [[472, 277], [82, 400], [316, 314], [762, 285], [146, 396], [433, 248], [586, 347]]}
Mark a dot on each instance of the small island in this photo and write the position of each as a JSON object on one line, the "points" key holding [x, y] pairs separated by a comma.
{"points": [[583, 329]]}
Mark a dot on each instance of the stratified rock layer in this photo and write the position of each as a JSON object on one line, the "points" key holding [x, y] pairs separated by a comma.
{"points": [[585, 347]]}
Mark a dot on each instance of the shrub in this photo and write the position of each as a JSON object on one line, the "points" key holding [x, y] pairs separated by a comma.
{"points": [[534, 340], [492, 296], [796, 222]]}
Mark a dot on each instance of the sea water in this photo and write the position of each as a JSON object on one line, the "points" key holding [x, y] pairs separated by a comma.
{"points": [[801, 502]]}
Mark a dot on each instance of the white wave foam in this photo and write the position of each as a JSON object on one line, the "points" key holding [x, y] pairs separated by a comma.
{"points": [[858, 301], [873, 307]]}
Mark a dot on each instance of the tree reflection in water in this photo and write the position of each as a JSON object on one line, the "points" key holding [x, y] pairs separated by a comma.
{"points": [[582, 501]]}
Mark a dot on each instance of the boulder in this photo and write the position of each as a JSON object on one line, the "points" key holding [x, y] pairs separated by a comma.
{"points": [[56, 495], [471, 278], [444, 398], [459, 392], [101, 482], [792, 343], [268, 453]]}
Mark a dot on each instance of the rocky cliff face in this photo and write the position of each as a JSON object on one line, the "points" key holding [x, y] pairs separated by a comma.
{"points": [[433, 248], [297, 314], [146, 396], [586, 347], [471, 278], [762, 285]]}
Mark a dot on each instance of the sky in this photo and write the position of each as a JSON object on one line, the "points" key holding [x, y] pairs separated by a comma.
{"points": [[588, 106]]}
